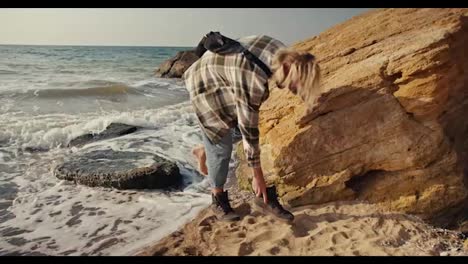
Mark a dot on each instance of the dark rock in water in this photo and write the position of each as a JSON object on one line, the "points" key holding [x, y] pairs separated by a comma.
{"points": [[35, 149], [111, 131], [120, 169], [4, 142], [176, 66]]}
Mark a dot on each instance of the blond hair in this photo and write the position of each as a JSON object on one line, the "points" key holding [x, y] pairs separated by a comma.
{"points": [[301, 68]]}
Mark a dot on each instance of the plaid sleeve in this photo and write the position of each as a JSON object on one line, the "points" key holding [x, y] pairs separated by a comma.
{"points": [[248, 104], [248, 126]]}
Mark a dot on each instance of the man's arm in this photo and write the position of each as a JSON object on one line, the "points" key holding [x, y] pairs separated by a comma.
{"points": [[248, 125]]}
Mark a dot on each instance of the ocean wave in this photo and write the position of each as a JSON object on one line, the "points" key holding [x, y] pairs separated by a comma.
{"points": [[2, 71], [40, 53], [98, 88], [136, 69], [150, 84], [57, 130], [99, 91], [170, 84], [27, 66], [13, 65], [65, 71]]}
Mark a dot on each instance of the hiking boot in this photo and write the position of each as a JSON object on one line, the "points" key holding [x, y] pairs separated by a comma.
{"points": [[222, 209], [273, 206]]}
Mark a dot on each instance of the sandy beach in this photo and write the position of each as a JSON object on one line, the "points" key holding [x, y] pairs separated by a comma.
{"points": [[333, 229]]}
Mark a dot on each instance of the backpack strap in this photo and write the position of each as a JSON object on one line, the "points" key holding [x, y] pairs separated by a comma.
{"points": [[250, 56], [200, 49]]}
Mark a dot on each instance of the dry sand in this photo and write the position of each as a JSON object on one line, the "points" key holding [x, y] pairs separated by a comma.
{"points": [[341, 228]]}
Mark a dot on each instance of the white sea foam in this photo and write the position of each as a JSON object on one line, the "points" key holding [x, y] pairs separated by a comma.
{"points": [[96, 220]]}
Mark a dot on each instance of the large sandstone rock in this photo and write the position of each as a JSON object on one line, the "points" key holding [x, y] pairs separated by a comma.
{"points": [[176, 66], [391, 126], [120, 170]]}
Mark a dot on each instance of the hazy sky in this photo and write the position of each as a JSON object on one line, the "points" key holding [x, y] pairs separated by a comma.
{"points": [[162, 26]]}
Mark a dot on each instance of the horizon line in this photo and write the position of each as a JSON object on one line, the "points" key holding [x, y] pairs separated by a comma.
{"points": [[95, 45]]}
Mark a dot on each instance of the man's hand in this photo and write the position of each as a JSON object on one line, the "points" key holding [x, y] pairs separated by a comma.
{"points": [[258, 184]]}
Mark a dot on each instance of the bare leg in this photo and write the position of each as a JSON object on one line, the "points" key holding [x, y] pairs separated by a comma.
{"points": [[217, 190], [199, 153]]}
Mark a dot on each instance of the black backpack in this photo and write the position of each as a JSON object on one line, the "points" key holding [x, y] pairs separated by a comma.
{"points": [[217, 43]]}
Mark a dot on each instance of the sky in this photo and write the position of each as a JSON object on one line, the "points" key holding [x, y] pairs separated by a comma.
{"points": [[162, 26]]}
